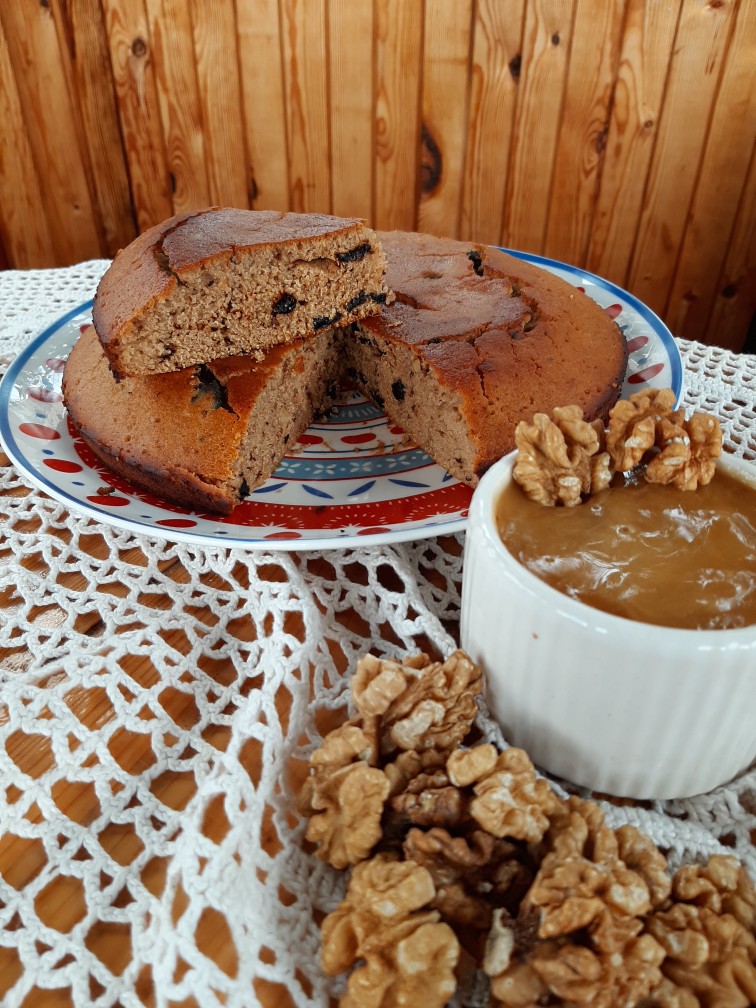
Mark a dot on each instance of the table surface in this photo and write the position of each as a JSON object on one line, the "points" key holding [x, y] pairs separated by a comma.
{"points": [[159, 705]]}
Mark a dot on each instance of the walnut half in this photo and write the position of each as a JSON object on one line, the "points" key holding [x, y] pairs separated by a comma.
{"points": [[510, 801], [560, 459], [344, 796], [408, 955]]}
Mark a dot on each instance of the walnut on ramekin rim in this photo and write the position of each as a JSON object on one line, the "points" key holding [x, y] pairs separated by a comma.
{"points": [[560, 459], [461, 854], [563, 459]]}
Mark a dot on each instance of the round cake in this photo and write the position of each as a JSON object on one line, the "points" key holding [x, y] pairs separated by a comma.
{"points": [[475, 341]]}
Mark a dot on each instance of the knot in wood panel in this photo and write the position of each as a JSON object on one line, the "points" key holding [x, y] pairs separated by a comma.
{"points": [[430, 162]]}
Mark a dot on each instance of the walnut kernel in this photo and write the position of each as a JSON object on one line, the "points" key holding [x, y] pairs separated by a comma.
{"points": [[555, 457]]}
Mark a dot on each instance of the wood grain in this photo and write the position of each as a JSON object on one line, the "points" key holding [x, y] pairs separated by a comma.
{"points": [[494, 76], [700, 44], [596, 131], [734, 307], [583, 128], [398, 46], [723, 174], [170, 28], [350, 63], [138, 109], [259, 31], [26, 235], [81, 24], [54, 129], [304, 32], [648, 36], [446, 58], [545, 53], [217, 61]]}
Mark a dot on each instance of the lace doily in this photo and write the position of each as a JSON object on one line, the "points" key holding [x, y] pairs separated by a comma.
{"points": [[159, 702]]}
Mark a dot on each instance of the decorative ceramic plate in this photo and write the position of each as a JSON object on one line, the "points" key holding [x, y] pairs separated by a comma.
{"points": [[354, 480]]}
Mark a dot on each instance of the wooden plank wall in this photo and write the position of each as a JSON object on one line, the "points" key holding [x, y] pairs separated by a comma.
{"points": [[617, 135]]}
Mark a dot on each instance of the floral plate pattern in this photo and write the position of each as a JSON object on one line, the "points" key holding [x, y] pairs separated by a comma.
{"points": [[354, 479]]}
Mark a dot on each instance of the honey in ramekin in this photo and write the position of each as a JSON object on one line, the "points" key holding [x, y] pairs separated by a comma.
{"points": [[650, 553]]}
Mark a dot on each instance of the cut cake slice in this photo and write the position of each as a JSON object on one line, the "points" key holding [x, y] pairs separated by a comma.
{"points": [[224, 281], [204, 436]]}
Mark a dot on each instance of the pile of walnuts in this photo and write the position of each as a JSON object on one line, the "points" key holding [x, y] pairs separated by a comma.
{"points": [[562, 459], [463, 859]]}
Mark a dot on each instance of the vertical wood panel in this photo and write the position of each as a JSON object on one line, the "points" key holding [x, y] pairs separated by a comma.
{"points": [[700, 45], [133, 74], [545, 55], [494, 74], [259, 31], [26, 237], [170, 28], [583, 127], [81, 24], [446, 57], [735, 299], [399, 34], [53, 129], [305, 73], [214, 28], [646, 49], [350, 48], [724, 170]]}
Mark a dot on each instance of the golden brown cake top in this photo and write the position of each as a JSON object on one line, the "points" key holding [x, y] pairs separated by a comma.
{"points": [[476, 314]]}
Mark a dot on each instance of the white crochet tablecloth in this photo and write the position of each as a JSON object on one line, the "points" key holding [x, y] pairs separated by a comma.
{"points": [[154, 698]]}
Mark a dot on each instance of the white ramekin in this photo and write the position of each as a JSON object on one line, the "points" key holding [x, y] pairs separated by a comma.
{"points": [[615, 705]]}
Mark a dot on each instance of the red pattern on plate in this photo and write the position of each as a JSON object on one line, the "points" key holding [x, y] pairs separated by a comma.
{"points": [[444, 502], [38, 430], [44, 394], [358, 438], [108, 500], [636, 343], [645, 374], [63, 465]]}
